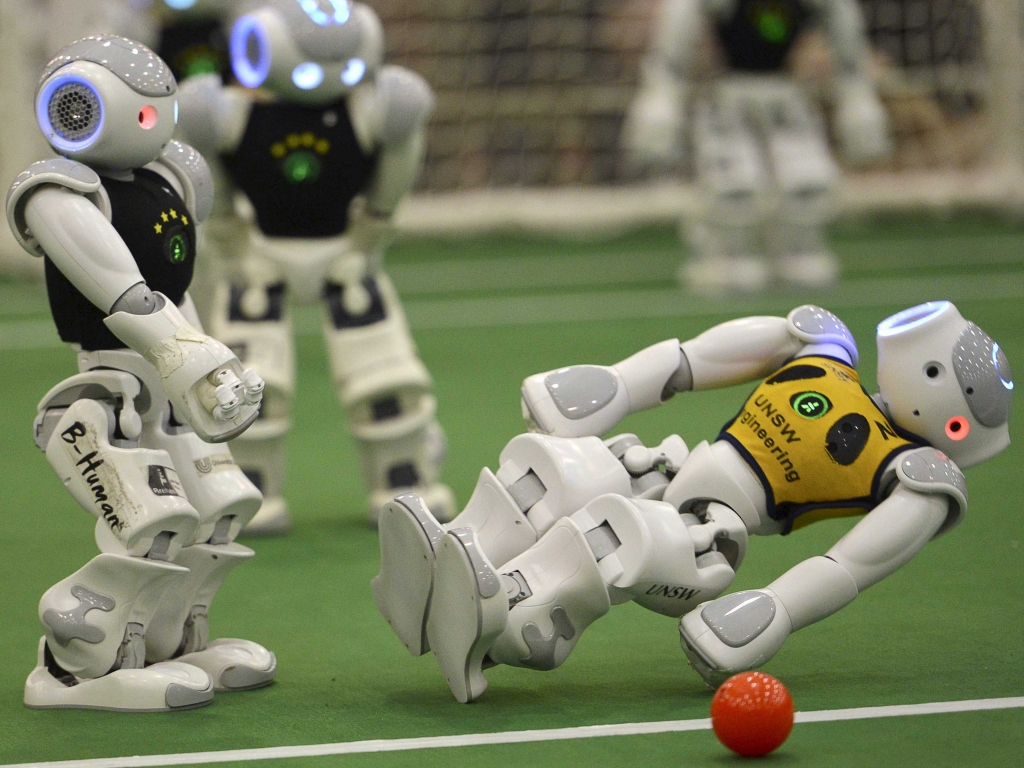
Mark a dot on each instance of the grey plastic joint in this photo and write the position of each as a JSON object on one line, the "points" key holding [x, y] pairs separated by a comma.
{"points": [[188, 164], [815, 325], [682, 379], [581, 390], [929, 470], [138, 300], [407, 100], [983, 373], [739, 618]]}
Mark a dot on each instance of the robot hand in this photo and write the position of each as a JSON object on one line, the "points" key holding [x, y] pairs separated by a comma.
{"points": [[861, 124], [578, 401], [670, 454], [733, 633], [652, 133], [202, 378], [368, 233]]}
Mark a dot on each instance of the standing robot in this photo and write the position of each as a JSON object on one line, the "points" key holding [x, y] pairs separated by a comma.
{"points": [[570, 525], [135, 436], [324, 151], [762, 160]]}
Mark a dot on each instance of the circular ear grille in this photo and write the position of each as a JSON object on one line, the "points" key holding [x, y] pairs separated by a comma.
{"points": [[74, 112]]}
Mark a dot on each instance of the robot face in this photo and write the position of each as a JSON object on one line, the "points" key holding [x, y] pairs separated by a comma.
{"points": [[946, 380], [306, 51], [107, 102]]}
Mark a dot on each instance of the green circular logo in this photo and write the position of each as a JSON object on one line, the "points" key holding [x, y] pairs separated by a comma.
{"points": [[176, 248], [300, 167], [810, 405]]}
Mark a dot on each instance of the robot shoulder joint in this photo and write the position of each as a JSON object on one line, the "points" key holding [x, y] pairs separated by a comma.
{"points": [[814, 325], [58, 171], [190, 169], [929, 470], [405, 99]]}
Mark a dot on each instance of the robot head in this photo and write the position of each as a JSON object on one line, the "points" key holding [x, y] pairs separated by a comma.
{"points": [[107, 102], [945, 379], [307, 51]]}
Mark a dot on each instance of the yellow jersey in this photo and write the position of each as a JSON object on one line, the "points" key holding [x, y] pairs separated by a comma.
{"points": [[816, 440]]}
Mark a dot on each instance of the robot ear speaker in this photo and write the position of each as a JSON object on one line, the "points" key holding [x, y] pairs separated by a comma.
{"points": [[75, 112]]}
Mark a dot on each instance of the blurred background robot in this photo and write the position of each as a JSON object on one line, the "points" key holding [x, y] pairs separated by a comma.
{"points": [[761, 155], [136, 436], [570, 525], [322, 143]]}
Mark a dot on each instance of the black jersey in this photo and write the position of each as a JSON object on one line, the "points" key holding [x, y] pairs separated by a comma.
{"points": [[195, 48], [760, 33], [154, 223], [300, 167]]}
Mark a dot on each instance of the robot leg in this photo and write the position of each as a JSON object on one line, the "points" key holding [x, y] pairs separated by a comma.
{"points": [[531, 611], [94, 651], [386, 392], [180, 628], [255, 323], [806, 176], [541, 479], [725, 236]]}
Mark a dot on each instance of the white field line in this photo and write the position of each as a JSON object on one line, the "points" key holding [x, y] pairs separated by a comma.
{"points": [[512, 737], [602, 306]]}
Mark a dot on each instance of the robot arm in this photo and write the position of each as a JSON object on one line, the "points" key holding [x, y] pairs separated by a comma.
{"points": [[652, 134], [746, 629], [212, 118], [202, 377], [861, 122], [590, 400]]}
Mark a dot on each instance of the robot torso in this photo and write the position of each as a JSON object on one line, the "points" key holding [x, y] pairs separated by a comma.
{"points": [[152, 219], [817, 442], [195, 47], [301, 167], [758, 35]]}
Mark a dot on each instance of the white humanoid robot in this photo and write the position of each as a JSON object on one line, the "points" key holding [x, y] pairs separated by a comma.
{"points": [[136, 437], [323, 142], [571, 524], [761, 154]]}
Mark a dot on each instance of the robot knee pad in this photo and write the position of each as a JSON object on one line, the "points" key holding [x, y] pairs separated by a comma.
{"points": [[552, 477], [556, 590], [135, 493], [649, 553], [180, 625], [215, 485], [96, 619]]}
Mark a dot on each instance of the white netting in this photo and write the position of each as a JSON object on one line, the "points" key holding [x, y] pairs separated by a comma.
{"points": [[532, 95]]}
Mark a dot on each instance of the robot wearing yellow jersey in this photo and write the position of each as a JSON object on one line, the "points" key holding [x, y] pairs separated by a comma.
{"points": [[571, 524]]}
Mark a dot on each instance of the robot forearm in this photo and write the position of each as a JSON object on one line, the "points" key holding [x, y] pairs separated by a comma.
{"points": [[398, 167], [844, 25]]}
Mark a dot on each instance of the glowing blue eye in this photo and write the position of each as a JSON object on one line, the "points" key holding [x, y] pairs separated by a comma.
{"points": [[999, 372], [175, 111], [250, 52], [911, 318], [321, 17], [307, 75], [180, 5], [354, 72]]}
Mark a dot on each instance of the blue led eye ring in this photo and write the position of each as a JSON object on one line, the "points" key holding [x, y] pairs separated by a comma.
{"points": [[70, 113], [911, 318], [320, 17], [353, 72], [307, 75], [249, 30]]}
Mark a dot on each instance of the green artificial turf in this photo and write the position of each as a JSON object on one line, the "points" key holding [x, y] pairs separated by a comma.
{"points": [[948, 626]]}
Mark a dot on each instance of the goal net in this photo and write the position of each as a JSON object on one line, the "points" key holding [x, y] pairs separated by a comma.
{"points": [[532, 95]]}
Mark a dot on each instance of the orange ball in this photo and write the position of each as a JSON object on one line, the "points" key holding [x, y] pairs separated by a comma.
{"points": [[752, 713]]}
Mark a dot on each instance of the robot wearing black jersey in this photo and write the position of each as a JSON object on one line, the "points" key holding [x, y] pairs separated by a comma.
{"points": [[138, 436], [762, 161], [324, 151], [570, 525]]}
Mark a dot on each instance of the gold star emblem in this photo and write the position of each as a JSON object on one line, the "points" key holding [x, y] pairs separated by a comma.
{"points": [[164, 217], [184, 220], [159, 228], [174, 214]]}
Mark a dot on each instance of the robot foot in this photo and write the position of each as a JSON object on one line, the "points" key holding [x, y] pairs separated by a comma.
{"points": [[438, 498], [409, 534], [169, 685], [469, 611], [271, 520], [715, 275], [808, 270], [234, 665]]}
